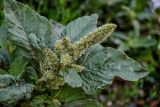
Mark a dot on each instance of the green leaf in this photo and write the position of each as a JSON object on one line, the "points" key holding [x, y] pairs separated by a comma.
{"points": [[5, 59], [18, 66], [84, 103], [29, 75], [144, 42], [103, 64], [14, 93], [80, 27], [44, 101], [68, 94], [7, 80], [2, 71], [3, 36], [12, 89], [26, 27], [71, 77], [38, 101], [57, 29]]}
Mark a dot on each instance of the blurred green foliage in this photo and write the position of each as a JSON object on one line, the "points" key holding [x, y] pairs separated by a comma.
{"points": [[138, 34]]}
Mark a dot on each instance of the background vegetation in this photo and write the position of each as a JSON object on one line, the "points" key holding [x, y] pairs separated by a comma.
{"points": [[138, 35]]}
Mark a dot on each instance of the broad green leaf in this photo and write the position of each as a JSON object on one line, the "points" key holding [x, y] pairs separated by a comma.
{"points": [[71, 77], [26, 27], [13, 89], [68, 94], [84, 103], [3, 36], [103, 64], [18, 66], [57, 29], [5, 59], [80, 27]]}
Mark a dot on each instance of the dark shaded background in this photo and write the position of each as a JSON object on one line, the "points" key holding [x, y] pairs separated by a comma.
{"points": [[138, 35]]}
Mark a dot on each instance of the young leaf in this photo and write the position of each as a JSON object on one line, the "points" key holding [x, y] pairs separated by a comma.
{"points": [[80, 27], [18, 66], [29, 75], [103, 64], [68, 94], [21, 22], [71, 77]]}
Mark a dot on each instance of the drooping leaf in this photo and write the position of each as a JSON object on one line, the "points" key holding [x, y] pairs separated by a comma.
{"points": [[103, 64], [18, 66], [71, 77], [68, 94], [84, 103], [26, 27], [80, 27], [13, 89]]}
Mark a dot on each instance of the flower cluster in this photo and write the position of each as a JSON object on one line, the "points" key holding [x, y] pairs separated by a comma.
{"points": [[65, 55], [92, 38]]}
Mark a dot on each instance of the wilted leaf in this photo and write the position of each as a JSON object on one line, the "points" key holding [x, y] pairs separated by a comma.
{"points": [[103, 64]]}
